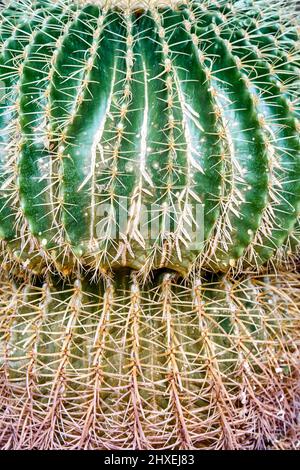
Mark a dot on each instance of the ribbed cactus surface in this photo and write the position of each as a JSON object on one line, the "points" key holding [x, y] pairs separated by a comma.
{"points": [[126, 131], [169, 365], [149, 184]]}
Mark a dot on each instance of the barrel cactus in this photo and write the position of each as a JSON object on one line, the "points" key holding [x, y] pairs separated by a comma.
{"points": [[149, 210], [123, 129]]}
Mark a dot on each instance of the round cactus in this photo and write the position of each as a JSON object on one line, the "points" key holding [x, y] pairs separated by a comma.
{"points": [[115, 365], [148, 135], [149, 179]]}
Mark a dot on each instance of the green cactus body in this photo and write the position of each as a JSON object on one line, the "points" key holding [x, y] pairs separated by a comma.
{"points": [[119, 127], [117, 365], [149, 184]]}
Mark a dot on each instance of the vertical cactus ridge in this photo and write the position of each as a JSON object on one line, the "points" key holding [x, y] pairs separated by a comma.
{"points": [[244, 204], [34, 161], [45, 214], [191, 173], [12, 46], [17, 48], [9, 41], [116, 365], [180, 117]]}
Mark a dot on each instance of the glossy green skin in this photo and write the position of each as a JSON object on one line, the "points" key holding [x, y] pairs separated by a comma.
{"points": [[117, 109]]}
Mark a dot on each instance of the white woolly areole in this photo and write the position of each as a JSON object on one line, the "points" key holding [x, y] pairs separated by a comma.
{"points": [[134, 4]]}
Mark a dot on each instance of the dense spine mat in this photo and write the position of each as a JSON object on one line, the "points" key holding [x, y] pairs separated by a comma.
{"points": [[117, 365]]}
